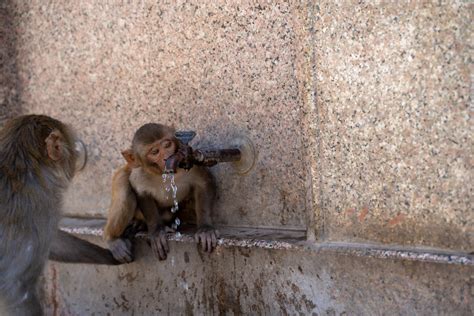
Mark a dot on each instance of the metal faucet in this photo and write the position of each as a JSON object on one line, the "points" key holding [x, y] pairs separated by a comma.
{"points": [[186, 157]]}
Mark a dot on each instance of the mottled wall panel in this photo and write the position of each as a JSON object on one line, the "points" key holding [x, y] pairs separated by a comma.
{"points": [[10, 86], [394, 94], [220, 69], [361, 109]]}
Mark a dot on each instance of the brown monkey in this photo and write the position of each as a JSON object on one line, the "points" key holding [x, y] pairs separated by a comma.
{"points": [[37, 161], [138, 192]]}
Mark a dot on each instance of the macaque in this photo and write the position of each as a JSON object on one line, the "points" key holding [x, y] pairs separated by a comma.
{"points": [[139, 194], [38, 159]]}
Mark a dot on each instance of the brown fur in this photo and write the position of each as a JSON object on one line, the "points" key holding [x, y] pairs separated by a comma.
{"points": [[37, 162], [138, 188]]}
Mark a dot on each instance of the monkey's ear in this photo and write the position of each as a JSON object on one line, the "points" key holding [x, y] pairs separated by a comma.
{"points": [[130, 158], [53, 145]]}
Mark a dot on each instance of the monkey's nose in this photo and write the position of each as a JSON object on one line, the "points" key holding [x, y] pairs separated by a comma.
{"points": [[81, 152]]}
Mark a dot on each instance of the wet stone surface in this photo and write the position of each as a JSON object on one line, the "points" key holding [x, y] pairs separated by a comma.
{"points": [[238, 280]]}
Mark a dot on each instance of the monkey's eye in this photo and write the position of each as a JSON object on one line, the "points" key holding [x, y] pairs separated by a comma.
{"points": [[167, 144], [154, 151]]}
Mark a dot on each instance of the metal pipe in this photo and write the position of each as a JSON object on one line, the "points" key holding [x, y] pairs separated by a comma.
{"points": [[210, 157]]}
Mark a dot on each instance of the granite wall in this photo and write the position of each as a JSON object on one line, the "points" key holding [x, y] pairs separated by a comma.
{"points": [[361, 113], [220, 69], [10, 87], [394, 100]]}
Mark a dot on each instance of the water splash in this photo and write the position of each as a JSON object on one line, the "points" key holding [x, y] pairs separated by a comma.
{"points": [[174, 190], [176, 223]]}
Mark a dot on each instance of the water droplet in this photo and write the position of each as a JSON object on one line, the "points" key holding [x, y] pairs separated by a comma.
{"points": [[174, 190]]}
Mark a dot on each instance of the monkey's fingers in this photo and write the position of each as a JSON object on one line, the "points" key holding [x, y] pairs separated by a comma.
{"points": [[128, 253], [157, 248], [214, 236], [122, 257], [125, 256], [202, 236], [209, 241], [122, 250], [164, 242]]}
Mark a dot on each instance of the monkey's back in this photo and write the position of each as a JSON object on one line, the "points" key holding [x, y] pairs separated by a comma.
{"points": [[28, 217]]}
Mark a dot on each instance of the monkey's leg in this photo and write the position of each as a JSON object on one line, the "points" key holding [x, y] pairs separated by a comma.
{"points": [[157, 231], [159, 241], [68, 248]]}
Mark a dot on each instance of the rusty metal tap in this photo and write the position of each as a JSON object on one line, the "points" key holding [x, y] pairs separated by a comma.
{"points": [[183, 158], [186, 157]]}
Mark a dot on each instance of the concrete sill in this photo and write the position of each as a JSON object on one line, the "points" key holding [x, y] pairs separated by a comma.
{"points": [[280, 239]]}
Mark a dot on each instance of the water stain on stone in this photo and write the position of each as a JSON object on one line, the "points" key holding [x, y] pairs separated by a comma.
{"points": [[129, 277], [244, 252], [363, 213], [396, 220]]}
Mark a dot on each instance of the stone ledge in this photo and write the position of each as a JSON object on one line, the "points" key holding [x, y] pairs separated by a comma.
{"points": [[282, 239]]}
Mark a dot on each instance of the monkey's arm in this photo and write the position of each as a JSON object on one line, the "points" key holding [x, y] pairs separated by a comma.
{"points": [[122, 206], [121, 212], [68, 248], [204, 196]]}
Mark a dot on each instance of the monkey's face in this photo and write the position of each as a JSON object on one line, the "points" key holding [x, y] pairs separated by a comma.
{"points": [[160, 150]]}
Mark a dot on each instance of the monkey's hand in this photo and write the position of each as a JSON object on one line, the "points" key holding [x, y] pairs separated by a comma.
{"points": [[159, 242], [207, 236], [121, 249]]}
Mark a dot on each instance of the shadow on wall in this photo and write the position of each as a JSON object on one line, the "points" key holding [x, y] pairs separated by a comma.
{"points": [[10, 84]]}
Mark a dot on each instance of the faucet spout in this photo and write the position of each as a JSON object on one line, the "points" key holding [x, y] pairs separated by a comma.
{"points": [[183, 158], [242, 155], [171, 164]]}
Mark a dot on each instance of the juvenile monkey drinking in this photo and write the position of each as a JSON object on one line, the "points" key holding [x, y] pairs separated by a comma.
{"points": [[158, 163], [139, 194]]}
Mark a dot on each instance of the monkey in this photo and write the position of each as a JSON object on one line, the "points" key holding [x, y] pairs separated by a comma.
{"points": [[38, 159], [139, 194]]}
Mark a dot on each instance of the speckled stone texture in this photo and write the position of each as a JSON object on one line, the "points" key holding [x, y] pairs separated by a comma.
{"points": [[10, 88], [219, 69], [361, 113], [394, 100]]}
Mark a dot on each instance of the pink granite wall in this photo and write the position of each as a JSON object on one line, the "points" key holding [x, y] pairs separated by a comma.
{"points": [[10, 87], [220, 69], [394, 94], [361, 113]]}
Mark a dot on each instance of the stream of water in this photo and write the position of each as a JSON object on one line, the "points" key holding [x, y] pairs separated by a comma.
{"points": [[171, 186]]}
